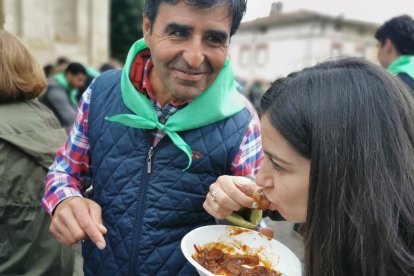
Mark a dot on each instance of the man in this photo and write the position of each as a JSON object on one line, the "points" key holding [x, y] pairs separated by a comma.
{"points": [[396, 47], [61, 93], [151, 139]]}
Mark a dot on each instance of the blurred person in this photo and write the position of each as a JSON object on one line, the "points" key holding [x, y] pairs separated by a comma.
{"points": [[255, 93], [48, 70], [62, 91], [150, 139], [91, 74], [29, 137], [339, 145], [61, 65], [396, 47], [106, 67]]}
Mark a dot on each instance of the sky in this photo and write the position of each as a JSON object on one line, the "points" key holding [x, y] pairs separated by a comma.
{"points": [[377, 11]]}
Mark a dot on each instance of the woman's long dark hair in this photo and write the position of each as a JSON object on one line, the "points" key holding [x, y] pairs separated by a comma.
{"points": [[355, 122]]}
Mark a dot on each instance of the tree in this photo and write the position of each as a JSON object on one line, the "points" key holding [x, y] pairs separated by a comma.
{"points": [[125, 26]]}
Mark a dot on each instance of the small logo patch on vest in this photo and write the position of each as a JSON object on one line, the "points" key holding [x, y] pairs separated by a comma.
{"points": [[196, 155]]}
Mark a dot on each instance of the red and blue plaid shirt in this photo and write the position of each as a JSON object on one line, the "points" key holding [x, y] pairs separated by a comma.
{"points": [[72, 163]]}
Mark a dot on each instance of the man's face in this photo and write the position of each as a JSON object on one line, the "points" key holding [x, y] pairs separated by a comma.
{"points": [[76, 80], [188, 48], [385, 53]]}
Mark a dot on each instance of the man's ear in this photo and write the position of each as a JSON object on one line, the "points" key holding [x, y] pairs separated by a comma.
{"points": [[146, 29], [388, 46]]}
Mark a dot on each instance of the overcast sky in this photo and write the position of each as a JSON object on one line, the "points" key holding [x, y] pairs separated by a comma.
{"points": [[376, 11]]}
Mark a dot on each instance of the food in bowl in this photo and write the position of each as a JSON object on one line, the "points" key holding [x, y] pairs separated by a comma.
{"points": [[220, 259], [271, 253]]}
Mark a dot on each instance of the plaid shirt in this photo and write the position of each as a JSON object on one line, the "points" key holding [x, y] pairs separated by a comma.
{"points": [[72, 163]]}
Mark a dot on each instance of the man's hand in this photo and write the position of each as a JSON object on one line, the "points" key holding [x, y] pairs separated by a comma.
{"points": [[76, 219]]}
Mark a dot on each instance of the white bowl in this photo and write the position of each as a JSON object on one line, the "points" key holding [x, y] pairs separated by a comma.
{"points": [[272, 251]]}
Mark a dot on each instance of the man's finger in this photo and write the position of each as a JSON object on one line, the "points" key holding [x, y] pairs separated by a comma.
{"points": [[88, 225], [96, 214]]}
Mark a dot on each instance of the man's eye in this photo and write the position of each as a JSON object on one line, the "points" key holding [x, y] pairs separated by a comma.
{"points": [[215, 40], [178, 33]]}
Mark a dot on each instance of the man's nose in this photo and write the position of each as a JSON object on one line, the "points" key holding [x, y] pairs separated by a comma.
{"points": [[194, 54]]}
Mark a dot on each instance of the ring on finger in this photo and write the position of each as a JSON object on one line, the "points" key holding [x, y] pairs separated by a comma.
{"points": [[214, 194]]}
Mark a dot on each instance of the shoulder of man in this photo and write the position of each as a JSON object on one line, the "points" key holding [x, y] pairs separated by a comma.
{"points": [[407, 80]]}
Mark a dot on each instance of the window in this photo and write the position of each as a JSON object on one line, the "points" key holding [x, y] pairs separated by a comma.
{"points": [[244, 55], [360, 51], [336, 49], [262, 54]]}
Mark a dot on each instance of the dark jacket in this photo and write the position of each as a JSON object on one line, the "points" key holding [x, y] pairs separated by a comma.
{"points": [[29, 137], [56, 99], [148, 202], [407, 80]]}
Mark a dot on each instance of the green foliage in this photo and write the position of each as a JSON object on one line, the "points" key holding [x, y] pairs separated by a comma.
{"points": [[126, 26]]}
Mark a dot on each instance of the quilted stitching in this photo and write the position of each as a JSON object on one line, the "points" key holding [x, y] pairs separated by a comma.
{"points": [[173, 202]]}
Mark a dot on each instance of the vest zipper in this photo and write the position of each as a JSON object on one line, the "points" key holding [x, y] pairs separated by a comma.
{"points": [[139, 216], [149, 160]]}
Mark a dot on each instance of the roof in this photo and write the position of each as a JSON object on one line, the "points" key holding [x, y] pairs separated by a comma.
{"points": [[303, 16]]}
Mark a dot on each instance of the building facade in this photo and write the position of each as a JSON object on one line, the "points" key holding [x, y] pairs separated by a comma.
{"points": [[75, 29], [273, 46]]}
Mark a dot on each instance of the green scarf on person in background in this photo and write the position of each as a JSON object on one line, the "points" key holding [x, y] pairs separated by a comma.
{"points": [[403, 64], [72, 92], [221, 100]]}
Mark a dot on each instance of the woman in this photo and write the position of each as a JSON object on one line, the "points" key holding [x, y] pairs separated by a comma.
{"points": [[29, 137], [339, 157]]}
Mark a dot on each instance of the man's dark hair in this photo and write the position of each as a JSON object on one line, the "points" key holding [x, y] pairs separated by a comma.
{"points": [[76, 68], [62, 60], [400, 30], [237, 9]]}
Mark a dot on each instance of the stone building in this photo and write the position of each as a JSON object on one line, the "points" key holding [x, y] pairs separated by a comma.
{"points": [[274, 46], [76, 29]]}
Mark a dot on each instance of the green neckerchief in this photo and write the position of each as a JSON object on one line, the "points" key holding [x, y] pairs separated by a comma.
{"points": [[221, 100], [403, 64], [72, 92]]}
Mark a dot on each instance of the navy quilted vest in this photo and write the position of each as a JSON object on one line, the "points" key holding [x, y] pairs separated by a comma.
{"points": [[147, 214]]}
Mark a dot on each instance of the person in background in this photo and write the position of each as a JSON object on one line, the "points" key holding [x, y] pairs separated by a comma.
{"points": [[107, 66], [339, 145], [150, 139], [396, 47], [61, 65], [29, 137], [91, 74], [48, 70], [255, 93], [62, 91]]}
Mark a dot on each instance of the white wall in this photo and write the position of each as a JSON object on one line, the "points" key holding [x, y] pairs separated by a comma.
{"points": [[293, 47], [76, 29]]}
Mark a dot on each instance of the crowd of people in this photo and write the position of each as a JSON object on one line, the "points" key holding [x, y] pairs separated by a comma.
{"points": [[168, 143]]}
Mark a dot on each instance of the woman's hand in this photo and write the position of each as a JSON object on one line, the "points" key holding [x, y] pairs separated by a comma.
{"points": [[228, 194]]}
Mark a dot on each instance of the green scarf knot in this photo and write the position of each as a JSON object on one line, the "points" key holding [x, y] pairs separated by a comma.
{"points": [[219, 101], [403, 64]]}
